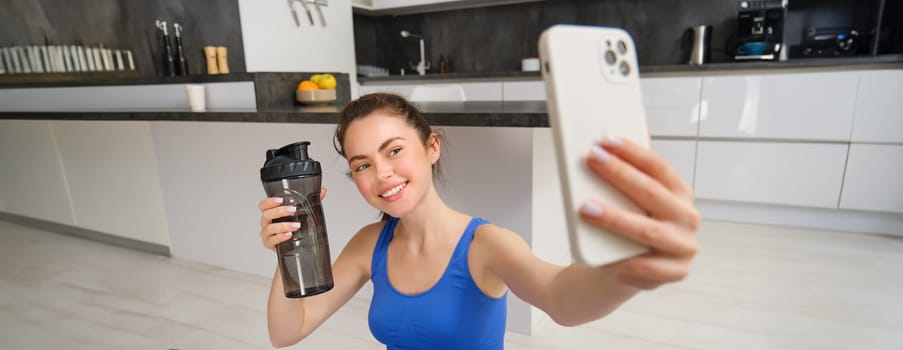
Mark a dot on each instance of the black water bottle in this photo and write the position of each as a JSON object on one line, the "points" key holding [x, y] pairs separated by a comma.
{"points": [[304, 261]]}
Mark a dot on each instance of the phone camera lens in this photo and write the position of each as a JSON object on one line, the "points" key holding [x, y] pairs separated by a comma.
{"points": [[610, 57], [622, 46], [625, 68]]}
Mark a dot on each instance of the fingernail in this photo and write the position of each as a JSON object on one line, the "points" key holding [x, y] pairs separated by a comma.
{"points": [[287, 234], [591, 209], [291, 208], [295, 225], [278, 200], [599, 154], [613, 140]]}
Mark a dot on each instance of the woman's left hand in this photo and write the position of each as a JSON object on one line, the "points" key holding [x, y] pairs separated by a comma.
{"points": [[668, 229]]}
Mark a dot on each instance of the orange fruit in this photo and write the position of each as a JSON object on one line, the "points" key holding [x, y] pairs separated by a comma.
{"points": [[308, 85]]}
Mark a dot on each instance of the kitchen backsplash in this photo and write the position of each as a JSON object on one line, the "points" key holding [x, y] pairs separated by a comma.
{"points": [[126, 24], [495, 39]]}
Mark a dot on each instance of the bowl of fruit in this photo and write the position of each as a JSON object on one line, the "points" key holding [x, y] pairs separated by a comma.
{"points": [[319, 89]]}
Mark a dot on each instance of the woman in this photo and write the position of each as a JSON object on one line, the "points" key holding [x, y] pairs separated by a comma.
{"points": [[440, 276]]}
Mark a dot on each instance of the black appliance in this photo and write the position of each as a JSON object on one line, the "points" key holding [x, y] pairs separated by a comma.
{"points": [[760, 30], [827, 42]]}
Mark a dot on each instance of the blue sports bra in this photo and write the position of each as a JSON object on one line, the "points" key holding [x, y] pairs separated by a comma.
{"points": [[453, 314]]}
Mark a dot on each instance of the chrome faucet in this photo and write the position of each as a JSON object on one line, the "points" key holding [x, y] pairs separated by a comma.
{"points": [[423, 65]]}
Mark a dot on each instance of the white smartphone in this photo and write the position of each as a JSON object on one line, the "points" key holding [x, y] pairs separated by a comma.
{"points": [[592, 88]]}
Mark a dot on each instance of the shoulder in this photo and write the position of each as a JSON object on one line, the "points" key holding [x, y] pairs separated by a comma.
{"points": [[498, 242], [366, 237], [493, 235], [360, 247]]}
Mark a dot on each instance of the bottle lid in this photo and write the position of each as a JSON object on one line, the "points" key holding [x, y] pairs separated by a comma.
{"points": [[289, 161]]}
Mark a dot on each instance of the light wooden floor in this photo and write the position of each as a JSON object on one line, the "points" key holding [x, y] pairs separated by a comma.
{"points": [[752, 287]]}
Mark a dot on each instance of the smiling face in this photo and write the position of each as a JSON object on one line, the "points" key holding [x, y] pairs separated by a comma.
{"points": [[389, 162]]}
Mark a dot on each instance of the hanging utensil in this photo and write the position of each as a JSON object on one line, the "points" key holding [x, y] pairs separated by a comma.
{"points": [[319, 12], [307, 11], [291, 5]]}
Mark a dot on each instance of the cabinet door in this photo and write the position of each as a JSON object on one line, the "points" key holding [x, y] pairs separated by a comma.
{"points": [[403, 90], [681, 154], [112, 172], [810, 106], [32, 180], [799, 174], [879, 107], [472, 91], [483, 91], [874, 178], [523, 91], [672, 105]]}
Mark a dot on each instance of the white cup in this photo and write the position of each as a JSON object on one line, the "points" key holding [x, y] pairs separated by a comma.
{"points": [[197, 99], [529, 64]]}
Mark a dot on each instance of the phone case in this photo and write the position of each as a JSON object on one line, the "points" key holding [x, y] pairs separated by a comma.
{"points": [[593, 88]]}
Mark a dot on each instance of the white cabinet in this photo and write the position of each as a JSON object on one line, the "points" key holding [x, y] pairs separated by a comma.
{"points": [[799, 174], [672, 105], [523, 91], [32, 180], [401, 7], [874, 178], [472, 91], [113, 179], [403, 90], [681, 154], [809, 106], [879, 107], [483, 91]]}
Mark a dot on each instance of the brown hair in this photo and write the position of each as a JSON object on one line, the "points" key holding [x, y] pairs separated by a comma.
{"points": [[390, 103]]}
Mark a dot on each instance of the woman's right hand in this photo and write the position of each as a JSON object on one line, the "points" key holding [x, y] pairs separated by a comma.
{"points": [[272, 233]]}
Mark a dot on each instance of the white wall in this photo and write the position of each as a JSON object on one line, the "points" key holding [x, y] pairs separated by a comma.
{"points": [[273, 43]]}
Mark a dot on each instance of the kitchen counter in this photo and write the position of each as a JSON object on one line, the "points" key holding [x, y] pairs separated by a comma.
{"points": [[508, 114], [840, 63], [127, 78], [272, 90]]}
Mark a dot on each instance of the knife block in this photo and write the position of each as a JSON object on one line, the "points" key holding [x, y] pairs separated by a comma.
{"points": [[210, 54], [222, 60]]}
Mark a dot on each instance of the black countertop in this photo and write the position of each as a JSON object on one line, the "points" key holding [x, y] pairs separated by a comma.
{"points": [[857, 62], [499, 114]]}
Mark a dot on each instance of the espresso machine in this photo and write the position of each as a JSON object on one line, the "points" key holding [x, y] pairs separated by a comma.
{"points": [[760, 30]]}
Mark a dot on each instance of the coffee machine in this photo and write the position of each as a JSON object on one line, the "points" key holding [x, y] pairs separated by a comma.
{"points": [[760, 30]]}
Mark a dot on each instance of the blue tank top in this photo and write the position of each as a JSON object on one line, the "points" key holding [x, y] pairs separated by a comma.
{"points": [[453, 314]]}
